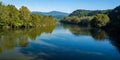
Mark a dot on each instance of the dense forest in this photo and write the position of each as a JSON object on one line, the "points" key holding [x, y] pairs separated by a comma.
{"points": [[11, 17], [97, 18], [82, 13]]}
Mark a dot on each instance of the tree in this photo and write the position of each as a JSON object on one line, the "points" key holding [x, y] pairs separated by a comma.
{"points": [[36, 20], [48, 20], [52, 20], [100, 20], [3, 15], [1, 10], [25, 16], [72, 19], [13, 15], [115, 18], [82, 13]]}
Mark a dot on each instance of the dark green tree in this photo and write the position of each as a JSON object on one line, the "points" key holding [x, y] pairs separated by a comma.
{"points": [[115, 18]]}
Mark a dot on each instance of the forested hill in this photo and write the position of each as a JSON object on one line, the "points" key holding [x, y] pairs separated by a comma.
{"points": [[57, 14], [82, 12], [53, 13], [96, 18]]}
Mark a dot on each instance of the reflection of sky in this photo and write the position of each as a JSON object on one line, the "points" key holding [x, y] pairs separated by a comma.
{"points": [[62, 43], [13, 55]]}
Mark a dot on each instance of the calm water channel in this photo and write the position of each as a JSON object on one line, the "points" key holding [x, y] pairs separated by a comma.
{"points": [[61, 42]]}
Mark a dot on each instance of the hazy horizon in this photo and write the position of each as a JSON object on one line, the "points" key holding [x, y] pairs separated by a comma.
{"points": [[67, 6]]}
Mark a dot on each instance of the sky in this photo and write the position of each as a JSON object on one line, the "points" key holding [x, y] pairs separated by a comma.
{"points": [[64, 5]]}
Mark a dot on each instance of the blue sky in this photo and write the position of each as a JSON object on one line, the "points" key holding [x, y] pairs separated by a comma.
{"points": [[64, 5]]}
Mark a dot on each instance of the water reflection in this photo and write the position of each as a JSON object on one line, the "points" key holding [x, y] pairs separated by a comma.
{"points": [[97, 34], [75, 44], [114, 37], [69, 49], [77, 30], [9, 39]]}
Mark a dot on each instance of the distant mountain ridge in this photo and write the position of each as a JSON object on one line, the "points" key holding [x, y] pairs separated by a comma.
{"points": [[53, 13]]}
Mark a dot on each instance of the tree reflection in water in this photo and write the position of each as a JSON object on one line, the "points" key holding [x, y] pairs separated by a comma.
{"points": [[114, 37], [9, 39], [77, 30], [97, 34]]}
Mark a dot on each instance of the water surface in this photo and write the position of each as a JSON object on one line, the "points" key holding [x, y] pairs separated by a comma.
{"points": [[61, 42]]}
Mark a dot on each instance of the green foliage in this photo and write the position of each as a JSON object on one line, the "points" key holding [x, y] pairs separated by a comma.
{"points": [[115, 17], [100, 20], [25, 16], [72, 19], [48, 19], [11, 17], [85, 17], [96, 18], [115, 14], [13, 14], [36, 20], [82, 21], [82, 13]]}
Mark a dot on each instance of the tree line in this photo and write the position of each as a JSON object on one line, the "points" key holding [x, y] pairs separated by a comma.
{"points": [[82, 12], [97, 18], [11, 17]]}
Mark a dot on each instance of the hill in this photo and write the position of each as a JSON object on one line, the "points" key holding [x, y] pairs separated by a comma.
{"points": [[53, 13], [58, 15], [81, 12]]}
